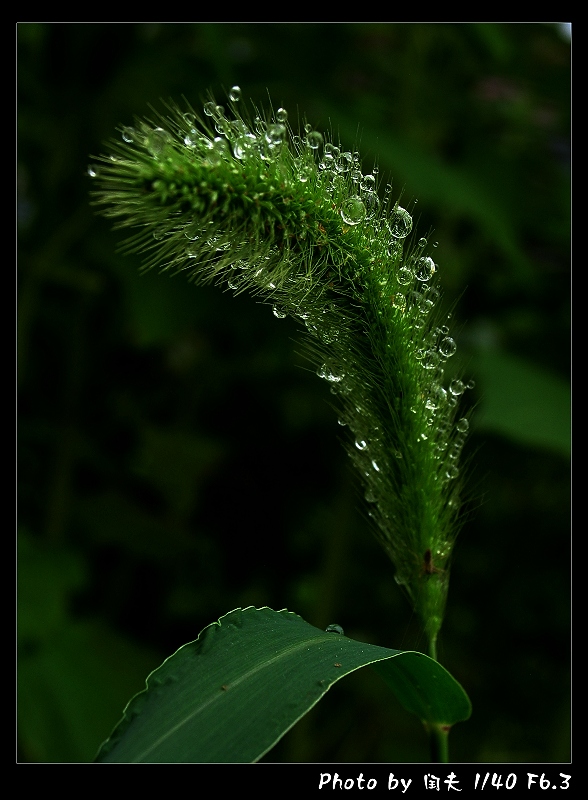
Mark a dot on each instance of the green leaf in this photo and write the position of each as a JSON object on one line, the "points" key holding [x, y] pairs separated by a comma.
{"points": [[524, 402], [248, 678]]}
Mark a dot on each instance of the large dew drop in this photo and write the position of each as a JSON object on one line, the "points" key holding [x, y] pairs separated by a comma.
{"points": [[314, 139], [156, 140], [425, 268], [400, 223], [447, 347], [353, 211]]}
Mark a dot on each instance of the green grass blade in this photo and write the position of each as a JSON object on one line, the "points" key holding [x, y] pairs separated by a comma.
{"points": [[248, 678]]}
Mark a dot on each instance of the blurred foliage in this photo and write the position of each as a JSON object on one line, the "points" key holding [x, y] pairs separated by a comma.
{"points": [[177, 459]]}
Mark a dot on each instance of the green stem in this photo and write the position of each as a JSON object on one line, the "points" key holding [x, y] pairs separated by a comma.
{"points": [[439, 743], [432, 650]]}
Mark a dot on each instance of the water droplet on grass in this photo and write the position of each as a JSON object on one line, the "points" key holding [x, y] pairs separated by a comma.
{"points": [[129, 135], [353, 211], [400, 223], [447, 347], [156, 140], [425, 269], [456, 387], [463, 425], [404, 276], [314, 139]]}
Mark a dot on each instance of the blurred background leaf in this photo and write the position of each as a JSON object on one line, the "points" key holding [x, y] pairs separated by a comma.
{"points": [[177, 459]]}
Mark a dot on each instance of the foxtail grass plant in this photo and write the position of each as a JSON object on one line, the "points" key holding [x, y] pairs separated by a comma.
{"points": [[240, 199]]}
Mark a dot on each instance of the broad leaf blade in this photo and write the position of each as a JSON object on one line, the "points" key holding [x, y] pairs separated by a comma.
{"points": [[248, 678]]}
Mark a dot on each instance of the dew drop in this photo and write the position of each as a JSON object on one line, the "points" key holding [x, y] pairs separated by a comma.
{"points": [[368, 183], [345, 162], [400, 223], [422, 242], [425, 268], [456, 387], [129, 135], [314, 139], [281, 115], [191, 138], [93, 171], [216, 150], [404, 276], [353, 211], [335, 629], [243, 144], [463, 425], [431, 359], [235, 94], [361, 444], [275, 134], [471, 385], [372, 203], [452, 472], [447, 347], [454, 451], [279, 312], [156, 140]]}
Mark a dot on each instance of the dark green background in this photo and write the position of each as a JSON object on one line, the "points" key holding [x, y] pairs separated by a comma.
{"points": [[177, 459]]}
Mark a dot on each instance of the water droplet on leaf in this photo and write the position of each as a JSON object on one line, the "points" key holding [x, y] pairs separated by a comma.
{"points": [[335, 629]]}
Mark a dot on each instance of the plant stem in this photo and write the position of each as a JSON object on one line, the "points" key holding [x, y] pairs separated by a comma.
{"points": [[439, 743], [432, 650]]}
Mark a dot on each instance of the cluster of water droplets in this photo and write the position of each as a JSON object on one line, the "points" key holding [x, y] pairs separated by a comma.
{"points": [[354, 194]]}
